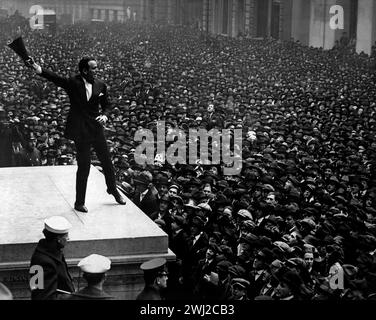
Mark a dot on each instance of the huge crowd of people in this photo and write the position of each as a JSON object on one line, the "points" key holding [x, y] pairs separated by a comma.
{"points": [[297, 222]]}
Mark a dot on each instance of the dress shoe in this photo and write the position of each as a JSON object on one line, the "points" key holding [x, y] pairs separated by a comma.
{"points": [[118, 197], [80, 207]]}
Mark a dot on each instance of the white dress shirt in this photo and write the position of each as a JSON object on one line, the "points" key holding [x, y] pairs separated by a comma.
{"points": [[143, 194], [89, 89], [197, 237]]}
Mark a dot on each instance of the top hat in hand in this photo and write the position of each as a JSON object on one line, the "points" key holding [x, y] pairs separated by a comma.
{"points": [[18, 47]]}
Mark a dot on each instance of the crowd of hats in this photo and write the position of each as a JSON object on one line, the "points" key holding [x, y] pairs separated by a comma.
{"points": [[308, 117]]}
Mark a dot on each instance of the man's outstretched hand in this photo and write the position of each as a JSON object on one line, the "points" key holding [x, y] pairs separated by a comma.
{"points": [[31, 64], [101, 119]]}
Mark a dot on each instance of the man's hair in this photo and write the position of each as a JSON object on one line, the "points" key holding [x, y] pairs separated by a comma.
{"points": [[93, 278], [51, 236], [84, 63]]}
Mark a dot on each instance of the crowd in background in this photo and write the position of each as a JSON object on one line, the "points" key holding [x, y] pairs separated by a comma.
{"points": [[302, 210]]}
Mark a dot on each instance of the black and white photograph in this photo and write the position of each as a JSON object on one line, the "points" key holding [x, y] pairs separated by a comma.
{"points": [[203, 153]]}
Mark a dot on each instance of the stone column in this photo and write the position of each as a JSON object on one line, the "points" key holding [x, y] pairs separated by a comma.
{"points": [[219, 14], [142, 10], [234, 24], [366, 34], [320, 33], [169, 11], [213, 12], [301, 12], [269, 17], [247, 17], [285, 20], [205, 9]]}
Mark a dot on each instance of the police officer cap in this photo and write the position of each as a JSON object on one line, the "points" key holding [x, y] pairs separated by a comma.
{"points": [[57, 224], [154, 265], [95, 263]]}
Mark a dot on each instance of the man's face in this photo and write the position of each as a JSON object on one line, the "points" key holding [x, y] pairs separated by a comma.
{"points": [[238, 291], [89, 74], [32, 143], [193, 188], [308, 258], [328, 172], [63, 240], [162, 280], [207, 191], [141, 187], [172, 192], [282, 290], [355, 188], [162, 189], [258, 263], [209, 254], [163, 206], [270, 199], [290, 221]]}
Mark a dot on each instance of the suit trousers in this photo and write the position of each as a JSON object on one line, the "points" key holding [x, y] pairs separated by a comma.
{"points": [[83, 162]]}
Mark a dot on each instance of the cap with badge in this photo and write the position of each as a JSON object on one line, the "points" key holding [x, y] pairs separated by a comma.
{"points": [[57, 224], [95, 263], [154, 266]]}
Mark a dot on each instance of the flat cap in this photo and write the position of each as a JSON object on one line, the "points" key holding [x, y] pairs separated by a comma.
{"points": [[240, 282], [245, 214]]}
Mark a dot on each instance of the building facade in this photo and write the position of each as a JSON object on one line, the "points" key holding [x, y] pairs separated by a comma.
{"points": [[307, 21]]}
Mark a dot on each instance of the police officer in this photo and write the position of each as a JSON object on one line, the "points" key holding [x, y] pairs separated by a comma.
{"points": [[50, 257], [94, 268], [155, 276]]}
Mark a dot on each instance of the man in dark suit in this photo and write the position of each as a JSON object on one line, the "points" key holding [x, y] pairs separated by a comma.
{"points": [[50, 257], [85, 124], [146, 195], [9, 134]]}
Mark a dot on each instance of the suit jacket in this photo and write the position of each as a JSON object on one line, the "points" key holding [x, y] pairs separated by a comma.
{"points": [[55, 272], [198, 249], [258, 284], [81, 124], [90, 293], [204, 289], [178, 243], [148, 204]]}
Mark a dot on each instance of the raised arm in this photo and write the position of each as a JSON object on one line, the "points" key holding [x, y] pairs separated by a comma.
{"points": [[49, 75]]}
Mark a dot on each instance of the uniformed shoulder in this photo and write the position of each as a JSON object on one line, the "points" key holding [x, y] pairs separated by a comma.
{"points": [[149, 294], [89, 293]]}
